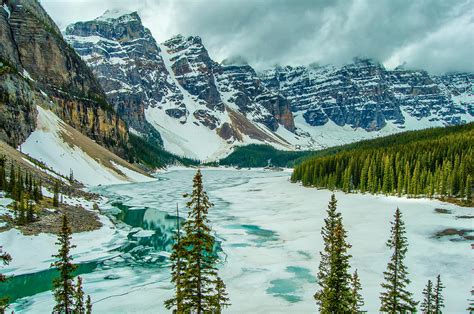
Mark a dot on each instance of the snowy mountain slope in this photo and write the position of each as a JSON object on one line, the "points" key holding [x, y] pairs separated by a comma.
{"points": [[364, 94], [178, 89], [63, 148], [202, 109]]}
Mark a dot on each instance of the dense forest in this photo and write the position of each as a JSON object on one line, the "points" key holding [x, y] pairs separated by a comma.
{"points": [[434, 162]]}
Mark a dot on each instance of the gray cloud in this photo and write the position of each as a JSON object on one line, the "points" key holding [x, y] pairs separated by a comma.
{"points": [[436, 35]]}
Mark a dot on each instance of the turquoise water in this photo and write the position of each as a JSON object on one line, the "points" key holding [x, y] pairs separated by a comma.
{"points": [[149, 206]]}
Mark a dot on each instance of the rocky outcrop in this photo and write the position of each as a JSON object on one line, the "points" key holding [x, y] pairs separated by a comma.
{"points": [[245, 90], [126, 60], [17, 107], [365, 95], [175, 84], [35, 49]]}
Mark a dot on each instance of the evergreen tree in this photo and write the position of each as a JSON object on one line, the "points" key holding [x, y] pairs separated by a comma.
{"points": [[79, 298], [200, 276], [177, 269], [468, 192], [334, 295], [395, 298], [5, 258], [221, 298], [427, 306], [56, 194], [438, 296], [357, 302], [63, 286], [88, 305]]}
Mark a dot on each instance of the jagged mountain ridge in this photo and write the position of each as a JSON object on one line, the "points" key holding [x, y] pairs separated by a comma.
{"points": [[365, 95], [181, 91], [191, 99]]}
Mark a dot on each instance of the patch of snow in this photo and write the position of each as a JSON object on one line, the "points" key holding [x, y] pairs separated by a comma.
{"points": [[7, 9], [46, 144]]}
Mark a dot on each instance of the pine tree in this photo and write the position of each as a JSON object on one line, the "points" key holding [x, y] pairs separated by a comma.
{"points": [[427, 306], [63, 286], [221, 299], [5, 258], [200, 276], [357, 302], [438, 297], [334, 295], [79, 298], [395, 298], [177, 269], [56, 194], [468, 192], [88, 305]]}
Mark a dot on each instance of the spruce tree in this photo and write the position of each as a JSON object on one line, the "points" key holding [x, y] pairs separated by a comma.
{"points": [[79, 298], [5, 258], [88, 305], [177, 269], [63, 285], [334, 295], [221, 298], [438, 296], [200, 276], [357, 302], [395, 298], [56, 194], [427, 306]]}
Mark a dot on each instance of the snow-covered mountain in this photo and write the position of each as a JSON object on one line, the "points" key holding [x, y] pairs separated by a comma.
{"points": [[202, 109], [178, 89], [365, 95]]}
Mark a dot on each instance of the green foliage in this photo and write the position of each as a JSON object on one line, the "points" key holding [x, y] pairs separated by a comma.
{"points": [[334, 295], [88, 305], [79, 298], [357, 302], [438, 295], [5, 258], [63, 285], [435, 162], [395, 298], [56, 194], [255, 155], [194, 272], [427, 306], [153, 155]]}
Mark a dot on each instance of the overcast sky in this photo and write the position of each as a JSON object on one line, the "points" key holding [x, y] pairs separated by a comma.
{"points": [[436, 35]]}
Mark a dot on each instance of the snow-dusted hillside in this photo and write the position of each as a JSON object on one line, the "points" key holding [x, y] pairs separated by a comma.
{"points": [[63, 148]]}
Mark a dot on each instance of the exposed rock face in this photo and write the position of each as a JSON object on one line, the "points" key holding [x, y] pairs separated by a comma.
{"points": [[35, 49], [175, 84], [245, 90], [193, 69], [17, 108], [127, 62], [178, 90], [366, 95]]}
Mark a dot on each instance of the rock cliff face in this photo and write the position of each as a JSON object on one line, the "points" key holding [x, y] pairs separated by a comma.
{"points": [[365, 95], [34, 49], [176, 87]]}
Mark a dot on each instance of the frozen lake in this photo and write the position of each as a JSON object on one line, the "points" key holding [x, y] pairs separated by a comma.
{"points": [[269, 230]]}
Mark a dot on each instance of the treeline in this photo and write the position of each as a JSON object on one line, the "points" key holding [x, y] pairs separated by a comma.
{"points": [[152, 155], [25, 190], [255, 155], [437, 162]]}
